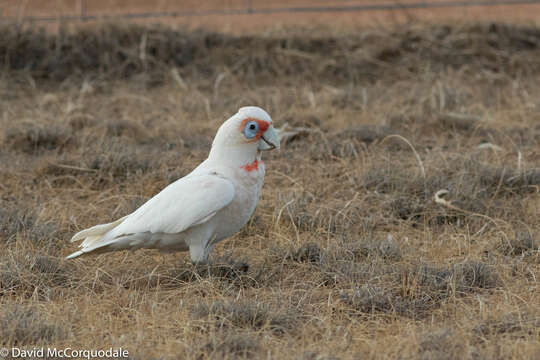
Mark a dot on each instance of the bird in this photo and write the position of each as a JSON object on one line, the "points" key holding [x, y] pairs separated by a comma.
{"points": [[208, 205]]}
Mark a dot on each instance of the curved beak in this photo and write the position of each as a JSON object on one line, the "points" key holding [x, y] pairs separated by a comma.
{"points": [[269, 140]]}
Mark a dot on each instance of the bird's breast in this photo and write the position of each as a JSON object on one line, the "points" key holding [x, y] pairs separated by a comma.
{"points": [[253, 167], [248, 185]]}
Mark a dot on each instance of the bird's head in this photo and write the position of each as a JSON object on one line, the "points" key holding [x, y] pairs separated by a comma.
{"points": [[246, 134]]}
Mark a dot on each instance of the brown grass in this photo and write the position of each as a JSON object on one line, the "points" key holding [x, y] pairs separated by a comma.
{"points": [[350, 253]]}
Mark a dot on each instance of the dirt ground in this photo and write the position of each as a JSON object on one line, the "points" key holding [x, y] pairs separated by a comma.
{"points": [[398, 221], [261, 22]]}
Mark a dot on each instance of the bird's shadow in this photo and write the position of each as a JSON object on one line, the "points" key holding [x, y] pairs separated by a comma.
{"points": [[221, 270]]}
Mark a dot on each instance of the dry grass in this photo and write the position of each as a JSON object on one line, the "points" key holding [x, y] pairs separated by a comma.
{"points": [[350, 253]]}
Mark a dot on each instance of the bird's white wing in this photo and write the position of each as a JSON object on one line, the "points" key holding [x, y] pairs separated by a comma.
{"points": [[187, 202]]}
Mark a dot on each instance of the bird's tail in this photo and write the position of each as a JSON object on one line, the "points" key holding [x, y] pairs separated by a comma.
{"points": [[92, 237]]}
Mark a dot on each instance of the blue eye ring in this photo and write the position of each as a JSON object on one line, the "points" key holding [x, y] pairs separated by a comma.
{"points": [[251, 129]]}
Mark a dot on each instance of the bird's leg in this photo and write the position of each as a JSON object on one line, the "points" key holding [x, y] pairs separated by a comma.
{"points": [[198, 254], [199, 257], [199, 260]]}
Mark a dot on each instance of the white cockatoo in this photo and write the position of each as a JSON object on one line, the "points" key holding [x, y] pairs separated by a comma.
{"points": [[208, 205]]}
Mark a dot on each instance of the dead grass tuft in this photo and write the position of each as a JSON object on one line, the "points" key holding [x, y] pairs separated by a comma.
{"points": [[120, 161], [307, 213], [514, 325], [415, 291], [24, 325], [225, 270], [372, 247], [458, 122], [230, 346], [114, 50], [308, 252], [365, 133], [14, 219], [246, 314], [474, 188], [520, 244], [313, 355], [372, 299], [32, 137], [440, 344], [448, 281], [121, 127], [34, 274]]}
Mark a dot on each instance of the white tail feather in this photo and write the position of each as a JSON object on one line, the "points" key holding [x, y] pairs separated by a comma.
{"points": [[131, 241], [92, 237], [100, 229], [74, 255]]}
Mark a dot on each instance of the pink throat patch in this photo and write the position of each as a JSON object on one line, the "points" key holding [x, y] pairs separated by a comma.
{"points": [[252, 166]]}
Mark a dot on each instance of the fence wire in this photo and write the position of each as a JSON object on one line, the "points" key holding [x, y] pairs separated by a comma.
{"points": [[251, 9]]}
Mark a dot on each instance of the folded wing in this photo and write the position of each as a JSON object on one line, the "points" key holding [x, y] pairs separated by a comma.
{"points": [[188, 202]]}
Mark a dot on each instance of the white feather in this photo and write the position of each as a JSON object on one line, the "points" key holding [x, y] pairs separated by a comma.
{"points": [[96, 230], [184, 203]]}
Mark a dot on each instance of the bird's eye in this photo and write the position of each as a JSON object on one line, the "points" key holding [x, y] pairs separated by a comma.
{"points": [[251, 129]]}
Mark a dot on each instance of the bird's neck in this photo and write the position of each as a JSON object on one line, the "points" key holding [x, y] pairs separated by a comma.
{"points": [[235, 156]]}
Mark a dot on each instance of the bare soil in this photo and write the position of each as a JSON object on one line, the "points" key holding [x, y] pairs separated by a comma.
{"points": [[261, 22]]}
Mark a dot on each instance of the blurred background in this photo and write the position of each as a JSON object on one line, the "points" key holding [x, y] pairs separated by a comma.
{"points": [[246, 15]]}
